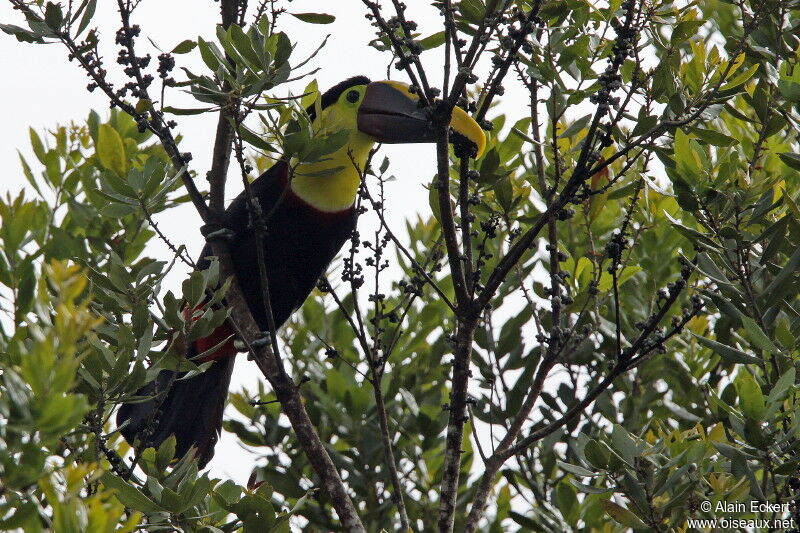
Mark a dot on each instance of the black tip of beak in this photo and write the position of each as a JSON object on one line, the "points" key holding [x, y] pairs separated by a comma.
{"points": [[391, 116]]}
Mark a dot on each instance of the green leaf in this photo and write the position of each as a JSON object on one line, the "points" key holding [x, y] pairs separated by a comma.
{"points": [[778, 391], [677, 475], [22, 35], [724, 305], [489, 167], [504, 193], [714, 138], [644, 124], [709, 268], [596, 454], [53, 16], [758, 337], [622, 515], [243, 46], [789, 89], [144, 105], [686, 159], [36, 145], [208, 322], [209, 58], [314, 18], [166, 452], [254, 139], [576, 127], [111, 150], [623, 444], [567, 501], [184, 47], [607, 280], [310, 94], [129, 495], [589, 489], [740, 79], [87, 16], [576, 470], [691, 234], [775, 290], [791, 160], [26, 170], [473, 10], [751, 399], [433, 202], [524, 521], [186, 111], [684, 30], [171, 500], [522, 135], [411, 402], [283, 48], [194, 289], [24, 514], [728, 354], [432, 41]]}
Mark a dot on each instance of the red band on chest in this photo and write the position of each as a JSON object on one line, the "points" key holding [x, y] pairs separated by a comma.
{"points": [[225, 331]]}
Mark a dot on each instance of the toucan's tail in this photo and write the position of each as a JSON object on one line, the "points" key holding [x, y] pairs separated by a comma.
{"points": [[191, 410]]}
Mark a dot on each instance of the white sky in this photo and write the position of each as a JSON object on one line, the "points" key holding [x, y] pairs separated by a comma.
{"points": [[41, 89]]}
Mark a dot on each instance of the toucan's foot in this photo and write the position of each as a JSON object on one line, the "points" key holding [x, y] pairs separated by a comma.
{"points": [[216, 233], [262, 341]]}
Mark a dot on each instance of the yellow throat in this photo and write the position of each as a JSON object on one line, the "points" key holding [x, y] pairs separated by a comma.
{"points": [[331, 184]]}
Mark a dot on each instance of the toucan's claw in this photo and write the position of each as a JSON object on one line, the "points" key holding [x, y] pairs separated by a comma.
{"points": [[223, 234], [262, 341]]}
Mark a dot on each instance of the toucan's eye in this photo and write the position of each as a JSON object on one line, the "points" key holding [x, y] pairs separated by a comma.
{"points": [[353, 97]]}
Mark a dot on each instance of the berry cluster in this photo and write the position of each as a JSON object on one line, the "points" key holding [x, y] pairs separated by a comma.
{"points": [[118, 466], [165, 65], [488, 232], [353, 271], [86, 53], [133, 64], [614, 249], [665, 297], [610, 80]]}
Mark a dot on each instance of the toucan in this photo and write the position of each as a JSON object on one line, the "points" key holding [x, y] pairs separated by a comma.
{"points": [[310, 210]]}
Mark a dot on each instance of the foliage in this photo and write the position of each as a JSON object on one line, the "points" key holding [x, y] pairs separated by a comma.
{"points": [[621, 305]]}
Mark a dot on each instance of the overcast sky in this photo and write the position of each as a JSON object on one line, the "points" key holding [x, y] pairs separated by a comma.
{"points": [[41, 89]]}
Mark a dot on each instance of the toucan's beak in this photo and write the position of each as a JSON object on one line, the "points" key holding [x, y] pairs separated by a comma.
{"points": [[390, 114]]}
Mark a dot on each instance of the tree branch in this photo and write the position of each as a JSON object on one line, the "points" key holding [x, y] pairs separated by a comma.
{"points": [[223, 139], [442, 186], [638, 353], [455, 425], [288, 394]]}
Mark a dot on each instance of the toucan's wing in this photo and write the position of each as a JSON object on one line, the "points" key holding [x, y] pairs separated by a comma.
{"points": [[192, 408], [270, 188]]}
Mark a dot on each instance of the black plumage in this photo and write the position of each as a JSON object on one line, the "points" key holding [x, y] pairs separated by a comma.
{"points": [[300, 243]]}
